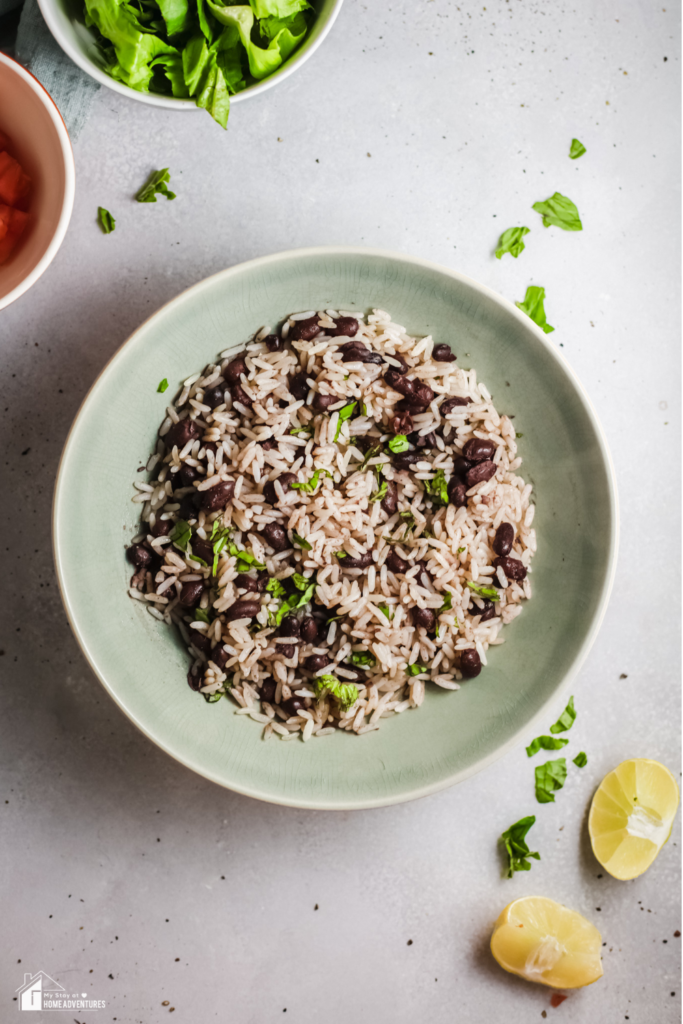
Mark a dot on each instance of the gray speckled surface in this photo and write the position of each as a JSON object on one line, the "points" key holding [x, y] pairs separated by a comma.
{"points": [[131, 879]]}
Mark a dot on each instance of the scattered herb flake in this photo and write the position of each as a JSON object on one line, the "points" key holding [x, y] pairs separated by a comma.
{"points": [[576, 149], [511, 241], [346, 693], [163, 386], [200, 615], [566, 719], [275, 587], [549, 778], [545, 743], [312, 484], [363, 658], [416, 669], [105, 220], [345, 413], [516, 847], [482, 591], [386, 611], [181, 534], [156, 186], [437, 489], [533, 307], [300, 542], [560, 211], [399, 443], [581, 760]]}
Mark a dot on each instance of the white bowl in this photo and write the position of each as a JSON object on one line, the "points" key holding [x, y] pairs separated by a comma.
{"points": [[65, 20], [41, 143]]}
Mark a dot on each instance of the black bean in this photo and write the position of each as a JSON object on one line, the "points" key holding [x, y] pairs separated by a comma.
{"points": [[202, 549], [200, 640], [481, 471], [504, 538], [194, 681], [268, 688], [405, 460], [398, 382], [210, 446], [322, 402], [239, 395], [293, 706], [347, 562], [450, 404], [290, 626], [423, 393], [364, 443], [182, 432], [286, 650], [486, 613], [443, 354], [457, 492], [423, 440], [470, 663], [246, 582], [139, 555], [395, 563], [214, 396], [187, 474], [403, 368], [275, 536], [309, 630], [191, 593], [162, 527], [219, 656], [273, 343], [512, 567], [188, 506], [217, 496], [424, 617], [234, 370], [344, 326], [269, 444], [242, 610], [402, 423], [315, 662], [305, 330], [410, 404], [461, 466], [356, 352], [478, 449], [298, 386], [389, 502], [269, 492]]}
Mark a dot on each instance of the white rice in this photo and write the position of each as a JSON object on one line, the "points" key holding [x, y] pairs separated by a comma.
{"points": [[384, 660]]}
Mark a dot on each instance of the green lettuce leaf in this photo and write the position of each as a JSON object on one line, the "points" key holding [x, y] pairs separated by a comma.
{"points": [[277, 8], [132, 47], [576, 149], [511, 241], [105, 220], [176, 14], [285, 34], [549, 778], [545, 743], [262, 62], [566, 719], [172, 64], [560, 211], [581, 760], [533, 307], [515, 844]]}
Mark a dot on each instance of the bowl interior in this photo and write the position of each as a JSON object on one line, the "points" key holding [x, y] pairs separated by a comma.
{"points": [[66, 21], [27, 116], [143, 664]]}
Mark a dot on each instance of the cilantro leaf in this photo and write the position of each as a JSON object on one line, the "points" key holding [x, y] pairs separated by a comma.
{"points": [[156, 185], [516, 847], [105, 220], [399, 443], [481, 591], [312, 484], [300, 542], [363, 658], [447, 603], [437, 489], [576, 149], [545, 743], [416, 669], [581, 760], [386, 611], [379, 494], [566, 719], [346, 693], [212, 698], [345, 413], [219, 537], [560, 211], [511, 241], [275, 588], [201, 616], [533, 307], [300, 582], [409, 519], [301, 430], [163, 386], [181, 534], [549, 778], [245, 560], [295, 601], [370, 454]]}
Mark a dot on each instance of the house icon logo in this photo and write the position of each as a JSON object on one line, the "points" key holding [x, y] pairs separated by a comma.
{"points": [[30, 994]]}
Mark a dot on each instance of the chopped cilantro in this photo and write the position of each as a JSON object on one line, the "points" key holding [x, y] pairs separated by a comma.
{"points": [[534, 308], [346, 693], [481, 591], [566, 719], [386, 611], [581, 760], [545, 743], [156, 185], [312, 484], [399, 443], [300, 542], [437, 489], [301, 430], [275, 588], [511, 241], [363, 658], [416, 669], [549, 778], [345, 413], [181, 534], [201, 616], [163, 386], [576, 149], [381, 493], [516, 847]]}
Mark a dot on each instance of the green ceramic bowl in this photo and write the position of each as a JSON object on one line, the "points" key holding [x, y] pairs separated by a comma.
{"points": [[142, 663]]}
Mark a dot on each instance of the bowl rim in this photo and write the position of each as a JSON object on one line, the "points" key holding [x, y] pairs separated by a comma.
{"points": [[47, 9], [570, 675], [69, 179]]}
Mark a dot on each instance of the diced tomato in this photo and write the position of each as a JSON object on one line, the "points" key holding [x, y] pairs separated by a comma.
{"points": [[14, 183], [12, 224]]}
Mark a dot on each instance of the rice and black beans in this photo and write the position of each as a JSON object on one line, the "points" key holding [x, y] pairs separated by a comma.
{"points": [[336, 521]]}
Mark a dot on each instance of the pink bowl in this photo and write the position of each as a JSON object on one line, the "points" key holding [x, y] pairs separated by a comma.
{"points": [[40, 142]]}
